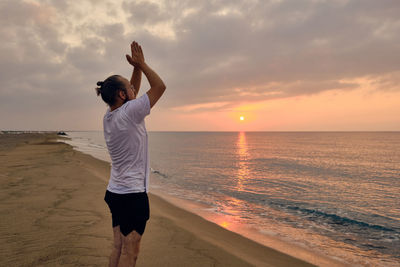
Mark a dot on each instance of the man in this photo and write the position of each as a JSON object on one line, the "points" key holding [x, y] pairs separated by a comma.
{"points": [[126, 138]]}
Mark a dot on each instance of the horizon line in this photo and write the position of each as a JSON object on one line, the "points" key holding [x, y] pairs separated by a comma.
{"points": [[205, 131]]}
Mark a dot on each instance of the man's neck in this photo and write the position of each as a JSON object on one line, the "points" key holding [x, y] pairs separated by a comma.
{"points": [[112, 108]]}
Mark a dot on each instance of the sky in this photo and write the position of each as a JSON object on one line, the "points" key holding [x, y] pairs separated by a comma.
{"points": [[300, 65]]}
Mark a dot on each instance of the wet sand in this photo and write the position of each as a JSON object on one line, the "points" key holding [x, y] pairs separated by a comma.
{"points": [[53, 213]]}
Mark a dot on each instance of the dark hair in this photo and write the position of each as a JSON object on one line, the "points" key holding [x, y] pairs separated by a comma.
{"points": [[110, 88]]}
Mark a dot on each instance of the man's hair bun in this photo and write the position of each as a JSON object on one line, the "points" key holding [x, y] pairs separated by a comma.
{"points": [[98, 89]]}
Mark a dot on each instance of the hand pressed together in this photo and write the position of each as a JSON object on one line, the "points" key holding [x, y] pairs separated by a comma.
{"points": [[137, 58]]}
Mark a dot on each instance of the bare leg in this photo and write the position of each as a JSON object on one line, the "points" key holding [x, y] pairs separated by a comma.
{"points": [[116, 252], [130, 249]]}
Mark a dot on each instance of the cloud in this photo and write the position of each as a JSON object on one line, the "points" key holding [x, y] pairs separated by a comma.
{"points": [[53, 52], [206, 106], [233, 44], [145, 12]]}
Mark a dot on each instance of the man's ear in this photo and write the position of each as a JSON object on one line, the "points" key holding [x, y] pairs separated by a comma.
{"points": [[122, 94]]}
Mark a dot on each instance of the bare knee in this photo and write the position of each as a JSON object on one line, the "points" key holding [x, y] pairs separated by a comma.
{"points": [[117, 244], [131, 244]]}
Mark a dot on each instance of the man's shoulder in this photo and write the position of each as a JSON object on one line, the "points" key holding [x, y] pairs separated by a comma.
{"points": [[137, 109], [142, 99]]}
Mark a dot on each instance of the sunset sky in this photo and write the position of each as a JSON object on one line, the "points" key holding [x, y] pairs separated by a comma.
{"points": [[300, 65]]}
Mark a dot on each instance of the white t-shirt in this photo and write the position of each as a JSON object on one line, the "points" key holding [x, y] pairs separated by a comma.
{"points": [[126, 138]]}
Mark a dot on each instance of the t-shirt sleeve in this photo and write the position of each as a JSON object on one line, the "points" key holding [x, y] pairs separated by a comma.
{"points": [[138, 109]]}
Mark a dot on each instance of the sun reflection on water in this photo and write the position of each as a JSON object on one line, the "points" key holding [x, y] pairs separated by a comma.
{"points": [[243, 154], [224, 224], [231, 207]]}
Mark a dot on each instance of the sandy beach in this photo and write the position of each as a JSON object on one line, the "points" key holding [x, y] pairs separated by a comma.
{"points": [[53, 213]]}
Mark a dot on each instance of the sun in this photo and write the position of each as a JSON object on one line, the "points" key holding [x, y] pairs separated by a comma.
{"points": [[241, 118]]}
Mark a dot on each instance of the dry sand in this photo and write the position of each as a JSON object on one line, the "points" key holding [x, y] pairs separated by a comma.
{"points": [[53, 213]]}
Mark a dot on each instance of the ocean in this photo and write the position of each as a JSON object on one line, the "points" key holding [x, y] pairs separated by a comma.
{"points": [[333, 193]]}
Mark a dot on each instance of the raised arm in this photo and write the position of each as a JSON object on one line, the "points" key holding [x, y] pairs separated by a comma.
{"points": [[137, 72], [157, 86], [136, 79]]}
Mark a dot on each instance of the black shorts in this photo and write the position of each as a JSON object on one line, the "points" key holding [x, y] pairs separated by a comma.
{"points": [[129, 211]]}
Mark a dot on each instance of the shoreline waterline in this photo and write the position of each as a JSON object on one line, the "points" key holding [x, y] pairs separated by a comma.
{"points": [[265, 239]]}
